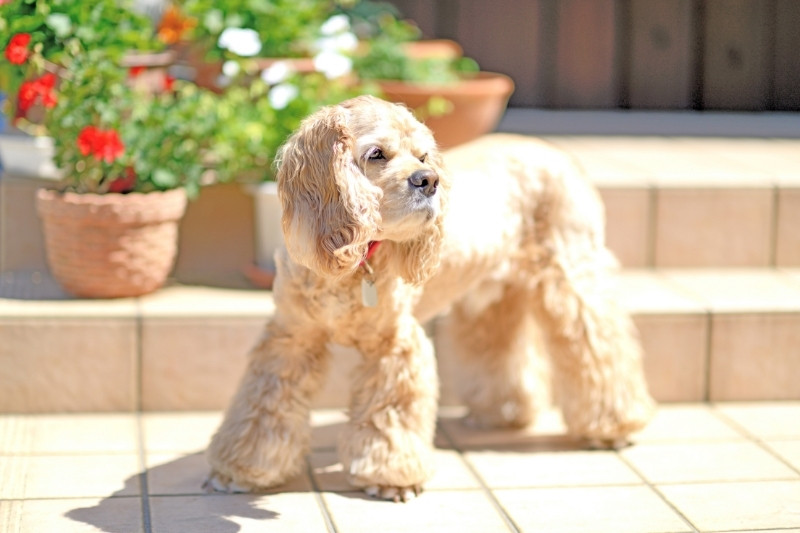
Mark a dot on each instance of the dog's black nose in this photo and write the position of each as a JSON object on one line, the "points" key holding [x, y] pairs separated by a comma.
{"points": [[425, 180]]}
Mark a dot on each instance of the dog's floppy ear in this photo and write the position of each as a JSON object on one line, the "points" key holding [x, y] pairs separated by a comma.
{"points": [[330, 210]]}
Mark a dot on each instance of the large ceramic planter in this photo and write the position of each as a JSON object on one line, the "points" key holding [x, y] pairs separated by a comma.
{"points": [[27, 155], [478, 104], [111, 245], [268, 234]]}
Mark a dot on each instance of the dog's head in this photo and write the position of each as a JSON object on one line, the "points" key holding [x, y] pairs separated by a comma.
{"points": [[361, 171]]}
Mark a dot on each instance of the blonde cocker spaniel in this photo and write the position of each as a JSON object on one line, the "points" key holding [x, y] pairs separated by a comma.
{"points": [[383, 232]]}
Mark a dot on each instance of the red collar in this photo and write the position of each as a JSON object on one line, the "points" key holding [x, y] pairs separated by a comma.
{"points": [[373, 245]]}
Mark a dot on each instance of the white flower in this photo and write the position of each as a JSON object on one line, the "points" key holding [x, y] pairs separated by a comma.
{"points": [[282, 94], [230, 68], [335, 24], [241, 41], [277, 72], [333, 64]]}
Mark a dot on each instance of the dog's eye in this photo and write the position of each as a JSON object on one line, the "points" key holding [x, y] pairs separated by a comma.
{"points": [[375, 154], [423, 158]]}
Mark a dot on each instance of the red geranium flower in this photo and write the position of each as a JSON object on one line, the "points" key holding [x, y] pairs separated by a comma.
{"points": [[17, 49], [102, 144], [40, 88]]}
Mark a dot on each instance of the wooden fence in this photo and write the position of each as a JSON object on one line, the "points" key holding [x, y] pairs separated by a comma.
{"points": [[657, 54]]}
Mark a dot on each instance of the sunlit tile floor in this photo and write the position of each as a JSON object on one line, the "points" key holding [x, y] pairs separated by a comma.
{"points": [[698, 467]]}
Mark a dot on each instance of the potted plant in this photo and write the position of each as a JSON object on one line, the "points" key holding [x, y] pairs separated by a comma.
{"points": [[129, 157], [445, 90], [40, 37], [241, 34]]}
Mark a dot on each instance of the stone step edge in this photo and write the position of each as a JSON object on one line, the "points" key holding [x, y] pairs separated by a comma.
{"points": [[641, 291]]}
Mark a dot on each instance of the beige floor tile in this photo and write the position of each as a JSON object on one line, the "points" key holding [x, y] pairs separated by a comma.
{"points": [[734, 290], [440, 511], [69, 476], [706, 461], [242, 513], [634, 509], [686, 423], [628, 212], [450, 473], [713, 227], [518, 469], [179, 431], [738, 506], [788, 450], [326, 425], [548, 432], [50, 434], [675, 355], [68, 365], [194, 363], [755, 356], [195, 301], [765, 419], [648, 292], [184, 474], [120, 515], [787, 245]]}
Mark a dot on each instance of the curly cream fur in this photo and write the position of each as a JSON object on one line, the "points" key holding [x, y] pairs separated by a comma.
{"points": [[512, 234]]}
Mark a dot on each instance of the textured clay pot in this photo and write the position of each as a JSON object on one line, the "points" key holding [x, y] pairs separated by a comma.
{"points": [[111, 245], [478, 103]]}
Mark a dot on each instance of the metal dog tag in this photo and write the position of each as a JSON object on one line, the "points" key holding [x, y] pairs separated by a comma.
{"points": [[369, 294]]}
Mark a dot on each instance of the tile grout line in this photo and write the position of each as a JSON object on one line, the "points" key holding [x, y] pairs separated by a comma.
{"points": [[330, 525], [143, 485], [755, 439], [658, 493], [506, 517]]}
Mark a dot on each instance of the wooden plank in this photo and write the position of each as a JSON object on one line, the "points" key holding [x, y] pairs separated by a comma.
{"points": [[503, 36], [787, 55], [661, 54], [422, 12], [586, 55], [737, 65]]}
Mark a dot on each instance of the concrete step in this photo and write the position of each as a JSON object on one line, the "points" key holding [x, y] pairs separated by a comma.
{"points": [[716, 335], [671, 202]]}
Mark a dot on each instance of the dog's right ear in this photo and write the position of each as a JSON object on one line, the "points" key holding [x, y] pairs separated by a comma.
{"points": [[330, 209]]}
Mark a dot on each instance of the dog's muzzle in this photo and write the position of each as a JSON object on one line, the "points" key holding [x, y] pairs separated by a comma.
{"points": [[425, 181]]}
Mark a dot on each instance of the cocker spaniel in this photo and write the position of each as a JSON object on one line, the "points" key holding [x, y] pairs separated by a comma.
{"points": [[383, 232]]}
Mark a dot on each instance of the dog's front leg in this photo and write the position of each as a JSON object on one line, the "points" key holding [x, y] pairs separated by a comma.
{"points": [[265, 433], [387, 446]]}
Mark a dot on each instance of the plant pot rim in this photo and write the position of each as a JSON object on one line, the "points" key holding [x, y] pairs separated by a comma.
{"points": [[483, 81]]}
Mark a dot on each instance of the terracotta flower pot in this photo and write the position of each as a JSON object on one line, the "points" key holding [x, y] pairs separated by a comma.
{"points": [[111, 245], [478, 103]]}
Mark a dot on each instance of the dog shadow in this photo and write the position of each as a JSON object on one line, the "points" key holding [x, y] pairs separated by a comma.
{"points": [[176, 502]]}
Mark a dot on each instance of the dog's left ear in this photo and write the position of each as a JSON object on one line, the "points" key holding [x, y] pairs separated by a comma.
{"points": [[330, 210]]}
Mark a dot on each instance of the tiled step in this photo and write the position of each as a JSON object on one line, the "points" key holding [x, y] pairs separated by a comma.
{"points": [[671, 202], [708, 335], [674, 202]]}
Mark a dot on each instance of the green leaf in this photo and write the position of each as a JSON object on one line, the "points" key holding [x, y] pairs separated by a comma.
{"points": [[164, 178]]}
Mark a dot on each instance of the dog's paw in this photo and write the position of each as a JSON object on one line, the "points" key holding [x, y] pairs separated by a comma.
{"points": [[216, 482], [394, 494]]}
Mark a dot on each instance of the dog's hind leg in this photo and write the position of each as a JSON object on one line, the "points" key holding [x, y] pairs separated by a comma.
{"points": [[387, 446], [265, 433], [595, 352], [499, 376]]}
